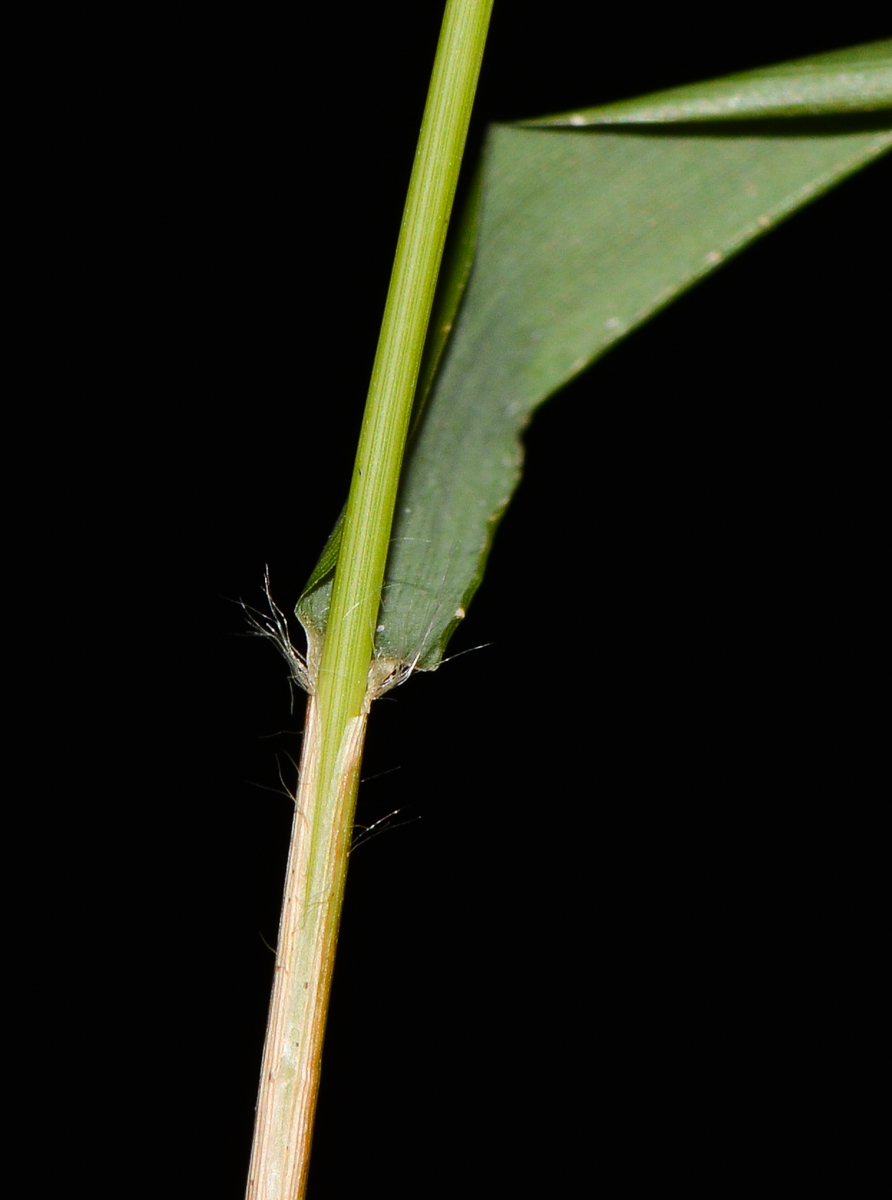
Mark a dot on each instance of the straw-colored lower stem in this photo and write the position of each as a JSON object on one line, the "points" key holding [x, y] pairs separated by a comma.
{"points": [[314, 889]]}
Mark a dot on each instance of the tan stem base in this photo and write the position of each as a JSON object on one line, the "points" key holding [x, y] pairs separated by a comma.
{"points": [[314, 889]]}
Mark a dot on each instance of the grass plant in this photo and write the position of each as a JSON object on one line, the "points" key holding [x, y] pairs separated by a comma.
{"points": [[583, 226]]}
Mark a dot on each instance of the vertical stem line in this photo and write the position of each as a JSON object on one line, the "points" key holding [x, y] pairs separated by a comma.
{"points": [[337, 714], [365, 539], [311, 910]]}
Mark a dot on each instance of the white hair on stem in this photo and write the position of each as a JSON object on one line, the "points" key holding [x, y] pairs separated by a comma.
{"points": [[274, 627], [385, 673]]}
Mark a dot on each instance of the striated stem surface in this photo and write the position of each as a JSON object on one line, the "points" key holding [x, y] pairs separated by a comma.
{"points": [[308, 930], [344, 684]]}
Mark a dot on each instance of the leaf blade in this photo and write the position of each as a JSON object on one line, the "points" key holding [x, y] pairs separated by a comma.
{"points": [[858, 79], [584, 234]]}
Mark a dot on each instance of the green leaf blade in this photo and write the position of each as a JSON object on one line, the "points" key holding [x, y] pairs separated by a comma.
{"points": [[858, 79], [584, 233], [567, 264]]}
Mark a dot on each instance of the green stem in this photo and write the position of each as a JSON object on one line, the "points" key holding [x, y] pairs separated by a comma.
{"points": [[337, 714], [349, 643]]}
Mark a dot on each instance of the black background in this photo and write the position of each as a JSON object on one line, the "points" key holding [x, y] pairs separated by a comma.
{"points": [[614, 932]]}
